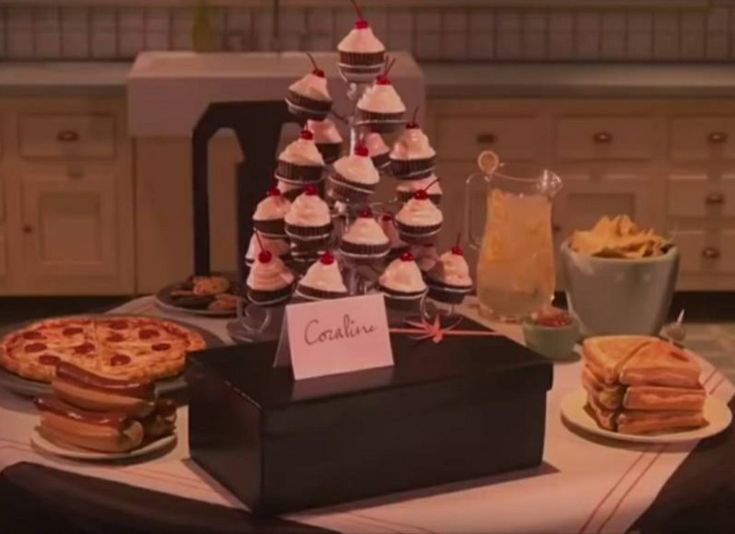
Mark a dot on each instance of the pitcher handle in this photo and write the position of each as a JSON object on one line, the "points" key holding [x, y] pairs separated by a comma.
{"points": [[473, 240]]}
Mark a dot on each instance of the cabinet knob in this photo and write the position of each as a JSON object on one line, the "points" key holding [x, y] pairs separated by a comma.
{"points": [[486, 138], [711, 253], [556, 228], [27, 229], [714, 199], [602, 138], [717, 137], [67, 136]]}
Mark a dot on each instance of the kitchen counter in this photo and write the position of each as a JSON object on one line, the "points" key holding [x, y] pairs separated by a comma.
{"points": [[443, 80]]}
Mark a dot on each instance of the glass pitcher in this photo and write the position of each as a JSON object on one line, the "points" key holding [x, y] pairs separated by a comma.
{"points": [[515, 266]]}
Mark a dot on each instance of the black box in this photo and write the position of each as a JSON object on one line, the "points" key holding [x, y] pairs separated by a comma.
{"points": [[467, 407]]}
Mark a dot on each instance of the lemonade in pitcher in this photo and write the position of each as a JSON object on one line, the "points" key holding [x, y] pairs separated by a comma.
{"points": [[515, 267]]}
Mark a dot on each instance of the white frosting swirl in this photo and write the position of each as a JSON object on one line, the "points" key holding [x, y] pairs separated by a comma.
{"points": [[312, 86], [302, 152], [413, 143], [271, 208], [389, 228], [361, 40], [308, 210], [452, 269], [324, 131], [358, 169], [365, 231], [375, 144], [417, 212], [274, 245], [403, 276], [379, 98], [326, 277], [412, 186], [269, 276]]}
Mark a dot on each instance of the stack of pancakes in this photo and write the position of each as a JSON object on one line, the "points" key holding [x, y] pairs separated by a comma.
{"points": [[640, 385]]}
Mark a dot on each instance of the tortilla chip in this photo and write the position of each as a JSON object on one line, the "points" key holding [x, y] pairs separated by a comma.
{"points": [[619, 237]]}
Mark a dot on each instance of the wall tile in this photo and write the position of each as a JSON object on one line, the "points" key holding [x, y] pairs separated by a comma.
{"points": [[428, 20], [131, 31], [509, 45], [104, 40], [716, 45], [534, 20], [428, 45], [455, 20], [561, 45], [481, 45], [293, 21], [19, 37], [399, 40], [454, 45], [378, 18], [47, 36], [482, 20], [612, 46], [74, 28], [2, 37], [534, 45], [182, 23], [666, 22], [587, 46], [717, 19], [561, 21], [666, 46], [400, 19]]}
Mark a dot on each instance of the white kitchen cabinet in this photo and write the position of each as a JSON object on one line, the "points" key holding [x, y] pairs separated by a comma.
{"points": [[66, 186], [69, 227]]}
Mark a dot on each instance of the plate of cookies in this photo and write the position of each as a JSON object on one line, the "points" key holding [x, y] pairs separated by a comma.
{"points": [[210, 296]]}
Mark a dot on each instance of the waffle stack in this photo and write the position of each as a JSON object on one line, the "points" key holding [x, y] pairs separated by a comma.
{"points": [[641, 385]]}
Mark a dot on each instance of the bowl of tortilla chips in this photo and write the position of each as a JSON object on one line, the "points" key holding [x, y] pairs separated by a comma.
{"points": [[619, 278]]}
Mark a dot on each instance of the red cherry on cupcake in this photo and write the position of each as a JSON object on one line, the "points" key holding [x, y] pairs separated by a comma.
{"points": [[265, 256], [273, 191], [327, 258], [307, 135], [421, 194], [316, 71], [361, 150], [386, 217], [457, 250], [382, 79], [413, 124], [366, 213], [361, 23], [311, 190], [407, 256]]}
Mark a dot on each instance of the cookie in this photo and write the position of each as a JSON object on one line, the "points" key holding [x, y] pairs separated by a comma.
{"points": [[210, 285]]}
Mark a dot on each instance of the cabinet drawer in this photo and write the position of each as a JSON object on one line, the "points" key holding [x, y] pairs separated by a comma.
{"points": [[62, 136], [587, 138], [514, 138], [695, 195], [702, 138], [703, 252]]}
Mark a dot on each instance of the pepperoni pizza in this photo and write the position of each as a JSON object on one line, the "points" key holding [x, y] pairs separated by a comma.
{"points": [[131, 348]]}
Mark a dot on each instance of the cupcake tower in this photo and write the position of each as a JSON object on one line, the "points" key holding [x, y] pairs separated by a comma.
{"points": [[319, 217]]}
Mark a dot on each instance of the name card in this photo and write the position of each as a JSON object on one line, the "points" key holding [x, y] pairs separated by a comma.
{"points": [[335, 336]]}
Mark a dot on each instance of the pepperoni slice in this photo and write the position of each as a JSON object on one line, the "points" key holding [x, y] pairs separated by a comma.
{"points": [[115, 337], [71, 330], [48, 359], [148, 333], [84, 348], [35, 347], [161, 346], [33, 335], [119, 324], [119, 359]]}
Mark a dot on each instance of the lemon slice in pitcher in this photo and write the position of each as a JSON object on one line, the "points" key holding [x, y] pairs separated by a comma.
{"points": [[488, 161]]}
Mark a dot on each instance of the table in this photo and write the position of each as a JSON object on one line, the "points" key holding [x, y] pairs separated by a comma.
{"points": [[582, 486]]}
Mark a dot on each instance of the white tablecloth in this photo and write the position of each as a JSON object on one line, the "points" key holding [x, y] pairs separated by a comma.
{"points": [[583, 485]]}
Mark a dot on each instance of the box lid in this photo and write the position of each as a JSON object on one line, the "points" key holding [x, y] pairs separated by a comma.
{"points": [[495, 364]]}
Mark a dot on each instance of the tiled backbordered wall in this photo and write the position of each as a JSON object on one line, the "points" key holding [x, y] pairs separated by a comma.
{"points": [[453, 33]]}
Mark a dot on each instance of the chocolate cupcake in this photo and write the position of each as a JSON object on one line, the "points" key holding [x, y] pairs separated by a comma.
{"points": [[388, 225], [308, 97], [361, 54], [378, 150], [402, 284], [308, 222], [380, 108], [327, 138], [364, 240], [280, 248], [322, 281], [419, 220], [354, 177], [300, 162], [430, 184], [449, 280], [269, 282], [412, 155], [268, 218]]}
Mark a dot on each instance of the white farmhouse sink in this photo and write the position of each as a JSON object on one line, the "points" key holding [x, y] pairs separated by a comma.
{"points": [[168, 91]]}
